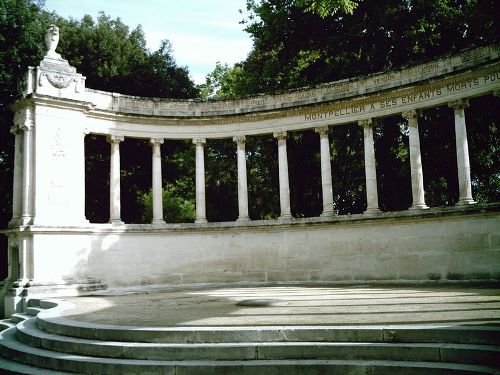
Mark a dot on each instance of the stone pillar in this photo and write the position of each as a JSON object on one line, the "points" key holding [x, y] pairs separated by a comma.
{"points": [[370, 168], [157, 182], [417, 176], [27, 174], [201, 216], [463, 165], [283, 175], [326, 170], [114, 180], [17, 204], [242, 179]]}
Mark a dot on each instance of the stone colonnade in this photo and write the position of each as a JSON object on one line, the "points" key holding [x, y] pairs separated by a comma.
{"points": [[417, 184]]}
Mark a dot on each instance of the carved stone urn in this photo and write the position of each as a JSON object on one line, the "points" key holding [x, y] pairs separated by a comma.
{"points": [[51, 41]]}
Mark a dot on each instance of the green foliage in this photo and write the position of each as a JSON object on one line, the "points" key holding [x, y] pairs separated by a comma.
{"points": [[295, 48], [115, 58], [177, 209], [22, 26], [325, 8], [224, 82]]}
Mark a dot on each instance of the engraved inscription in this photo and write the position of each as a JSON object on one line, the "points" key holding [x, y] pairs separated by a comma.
{"points": [[174, 106], [471, 55], [427, 68], [384, 79], [297, 95], [140, 104], [340, 87]]}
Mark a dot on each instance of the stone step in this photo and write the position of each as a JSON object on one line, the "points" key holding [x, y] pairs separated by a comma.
{"points": [[34, 302], [19, 317], [6, 323], [10, 347], [34, 311], [480, 335], [30, 334], [8, 367]]}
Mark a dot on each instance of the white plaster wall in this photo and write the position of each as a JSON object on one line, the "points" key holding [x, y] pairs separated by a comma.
{"points": [[59, 167], [462, 247]]}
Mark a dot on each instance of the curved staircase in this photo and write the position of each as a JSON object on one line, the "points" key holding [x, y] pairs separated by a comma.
{"points": [[44, 342]]}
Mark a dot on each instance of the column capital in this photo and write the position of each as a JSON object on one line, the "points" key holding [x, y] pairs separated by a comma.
{"points": [[368, 123], [411, 114], [199, 141], [156, 141], [322, 130], [115, 138], [496, 93], [16, 129], [24, 119], [459, 104], [240, 139], [281, 135]]}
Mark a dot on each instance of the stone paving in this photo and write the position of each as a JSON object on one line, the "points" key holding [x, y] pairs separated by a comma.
{"points": [[291, 305]]}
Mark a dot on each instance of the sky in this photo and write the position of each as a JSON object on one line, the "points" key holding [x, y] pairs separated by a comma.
{"points": [[202, 32]]}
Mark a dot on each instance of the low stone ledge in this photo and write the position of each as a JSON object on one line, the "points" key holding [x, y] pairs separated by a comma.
{"points": [[380, 217]]}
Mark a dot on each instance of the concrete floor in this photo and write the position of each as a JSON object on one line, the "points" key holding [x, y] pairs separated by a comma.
{"points": [[298, 305]]}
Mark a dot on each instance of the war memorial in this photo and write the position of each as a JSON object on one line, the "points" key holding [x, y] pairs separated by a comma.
{"points": [[250, 276]]}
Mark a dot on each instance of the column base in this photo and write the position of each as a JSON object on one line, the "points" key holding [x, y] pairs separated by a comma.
{"points": [[14, 223], [285, 217], [158, 222], [26, 220], [465, 202], [419, 206], [201, 221], [243, 219], [116, 222], [327, 214], [372, 211]]}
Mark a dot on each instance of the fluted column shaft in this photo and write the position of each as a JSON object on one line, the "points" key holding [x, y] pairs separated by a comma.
{"points": [[114, 180], [370, 167], [17, 204], [326, 170], [283, 175], [27, 200], [201, 216], [463, 164], [242, 179], [157, 181], [417, 175]]}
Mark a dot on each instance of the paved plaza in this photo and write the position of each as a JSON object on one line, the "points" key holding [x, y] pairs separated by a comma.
{"points": [[291, 305]]}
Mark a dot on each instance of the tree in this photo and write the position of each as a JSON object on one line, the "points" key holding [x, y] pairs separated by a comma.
{"points": [[115, 58], [22, 26], [299, 43], [325, 8]]}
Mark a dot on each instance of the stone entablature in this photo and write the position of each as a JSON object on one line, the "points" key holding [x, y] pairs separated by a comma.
{"points": [[466, 75], [45, 80]]}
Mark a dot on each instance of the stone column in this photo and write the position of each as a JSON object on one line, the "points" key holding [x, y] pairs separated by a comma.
{"points": [[326, 170], [28, 165], [157, 182], [242, 179], [283, 175], [201, 216], [114, 180], [417, 176], [17, 204], [463, 165], [370, 168]]}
